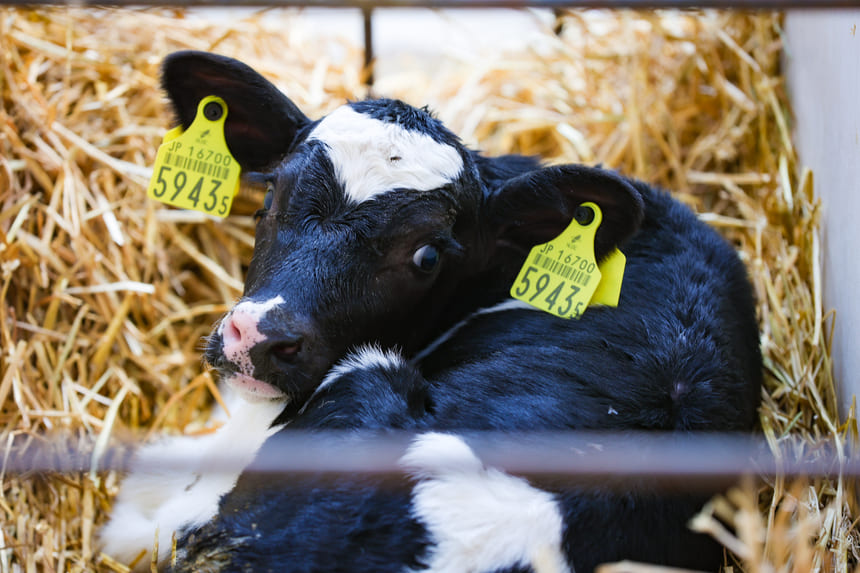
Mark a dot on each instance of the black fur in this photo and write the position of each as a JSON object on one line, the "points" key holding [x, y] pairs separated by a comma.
{"points": [[406, 117]]}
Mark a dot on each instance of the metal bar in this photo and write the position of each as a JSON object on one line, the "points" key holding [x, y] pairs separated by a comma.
{"points": [[372, 4], [558, 24], [682, 460], [367, 15]]}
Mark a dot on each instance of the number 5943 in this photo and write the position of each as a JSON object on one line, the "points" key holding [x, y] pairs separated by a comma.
{"points": [[549, 293], [176, 187]]}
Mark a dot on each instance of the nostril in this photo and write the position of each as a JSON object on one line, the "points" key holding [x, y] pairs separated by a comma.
{"points": [[240, 328], [286, 350], [231, 334]]}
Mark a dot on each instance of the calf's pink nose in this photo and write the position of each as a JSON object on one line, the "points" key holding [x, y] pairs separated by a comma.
{"points": [[240, 332]]}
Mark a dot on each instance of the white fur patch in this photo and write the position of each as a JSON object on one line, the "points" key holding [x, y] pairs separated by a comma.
{"points": [[363, 358], [154, 498], [371, 157], [251, 312], [480, 519]]}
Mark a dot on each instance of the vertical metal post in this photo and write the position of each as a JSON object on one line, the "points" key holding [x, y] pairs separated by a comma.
{"points": [[367, 14], [558, 26]]}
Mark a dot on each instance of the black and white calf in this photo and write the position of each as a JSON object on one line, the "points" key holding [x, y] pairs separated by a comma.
{"points": [[377, 298]]}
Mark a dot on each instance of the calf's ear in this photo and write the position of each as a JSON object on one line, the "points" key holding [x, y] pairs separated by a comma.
{"points": [[261, 124], [536, 207]]}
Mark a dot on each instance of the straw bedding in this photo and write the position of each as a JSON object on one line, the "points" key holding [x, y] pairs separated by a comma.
{"points": [[106, 295]]}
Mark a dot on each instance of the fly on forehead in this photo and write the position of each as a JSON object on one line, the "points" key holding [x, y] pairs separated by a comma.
{"points": [[373, 153]]}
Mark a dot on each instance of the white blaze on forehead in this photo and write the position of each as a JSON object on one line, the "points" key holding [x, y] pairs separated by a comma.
{"points": [[372, 156]]}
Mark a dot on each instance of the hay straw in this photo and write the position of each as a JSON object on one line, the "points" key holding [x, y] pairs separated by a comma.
{"points": [[106, 296]]}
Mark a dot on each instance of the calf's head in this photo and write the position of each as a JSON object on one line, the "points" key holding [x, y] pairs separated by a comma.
{"points": [[379, 226]]}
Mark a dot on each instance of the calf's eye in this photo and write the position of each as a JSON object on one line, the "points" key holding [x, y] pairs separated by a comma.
{"points": [[426, 258], [267, 200]]}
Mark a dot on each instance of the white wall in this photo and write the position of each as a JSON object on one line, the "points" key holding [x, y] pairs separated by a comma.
{"points": [[406, 37], [823, 69]]}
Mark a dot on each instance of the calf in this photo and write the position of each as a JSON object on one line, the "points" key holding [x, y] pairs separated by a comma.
{"points": [[378, 298]]}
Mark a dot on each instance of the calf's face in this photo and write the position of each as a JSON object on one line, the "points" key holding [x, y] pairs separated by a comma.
{"points": [[330, 271], [377, 224]]}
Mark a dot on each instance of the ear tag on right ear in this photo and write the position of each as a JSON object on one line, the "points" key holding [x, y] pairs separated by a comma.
{"points": [[560, 276], [194, 169]]}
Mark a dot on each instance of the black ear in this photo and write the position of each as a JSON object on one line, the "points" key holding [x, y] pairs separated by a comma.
{"points": [[535, 208], [261, 122]]}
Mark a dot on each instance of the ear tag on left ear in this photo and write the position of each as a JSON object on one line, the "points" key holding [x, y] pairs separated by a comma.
{"points": [[561, 276], [194, 169]]}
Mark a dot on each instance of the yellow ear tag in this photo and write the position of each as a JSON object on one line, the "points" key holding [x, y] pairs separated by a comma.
{"points": [[612, 272], [194, 169], [561, 276]]}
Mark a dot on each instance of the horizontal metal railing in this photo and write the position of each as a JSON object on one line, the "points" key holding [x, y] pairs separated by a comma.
{"points": [[690, 461]]}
